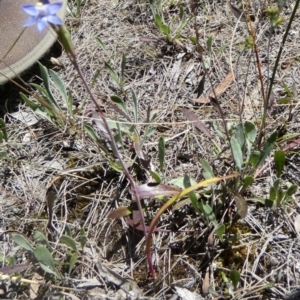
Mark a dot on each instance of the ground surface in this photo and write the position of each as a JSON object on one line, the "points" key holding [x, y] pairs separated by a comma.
{"points": [[263, 247]]}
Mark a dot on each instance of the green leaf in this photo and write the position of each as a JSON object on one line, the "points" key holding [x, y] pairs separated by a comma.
{"points": [[237, 153], [249, 180], [192, 195], [61, 88], [250, 133], [241, 205], [276, 184], [208, 212], [73, 261], [272, 193], [285, 100], [209, 43], [22, 242], [220, 232], [291, 190], [267, 148], [82, 238], [135, 107], [235, 278], [3, 129], [161, 153], [207, 169], [158, 21], [40, 238], [68, 230], [113, 74], [43, 256], [218, 129], [279, 159], [165, 29], [254, 158], [280, 195], [90, 131], [100, 43], [1, 136], [287, 90], [47, 269], [179, 182], [240, 135], [120, 103], [181, 13], [123, 65], [46, 79], [67, 240], [155, 176]]}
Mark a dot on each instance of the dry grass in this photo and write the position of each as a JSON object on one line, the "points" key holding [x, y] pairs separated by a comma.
{"points": [[264, 247]]}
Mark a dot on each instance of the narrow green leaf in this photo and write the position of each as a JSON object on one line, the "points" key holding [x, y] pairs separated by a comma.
{"points": [[250, 134], [280, 195], [67, 240], [68, 230], [220, 231], [237, 153], [235, 278], [276, 184], [43, 255], [192, 195], [249, 180], [123, 65], [113, 74], [22, 242], [218, 129], [291, 190], [240, 135], [120, 103], [179, 182], [100, 43], [267, 148], [61, 88], [135, 107], [181, 13], [208, 212], [82, 238], [3, 129], [209, 43], [47, 269], [287, 90], [272, 194], [1, 136], [40, 238], [46, 79], [207, 169], [73, 261], [279, 159], [158, 21], [161, 153], [155, 176]]}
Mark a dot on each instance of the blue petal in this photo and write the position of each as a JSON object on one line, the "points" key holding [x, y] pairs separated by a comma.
{"points": [[45, 1], [31, 10], [41, 25], [30, 21], [53, 8], [54, 20]]}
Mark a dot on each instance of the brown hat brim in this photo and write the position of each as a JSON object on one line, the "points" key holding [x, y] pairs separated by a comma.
{"points": [[21, 47]]}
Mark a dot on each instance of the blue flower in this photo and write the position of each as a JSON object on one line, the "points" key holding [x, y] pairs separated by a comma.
{"points": [[42, 13]]}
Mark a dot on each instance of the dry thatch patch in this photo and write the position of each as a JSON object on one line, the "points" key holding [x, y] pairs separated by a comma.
{"points": [[263, 247]]}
